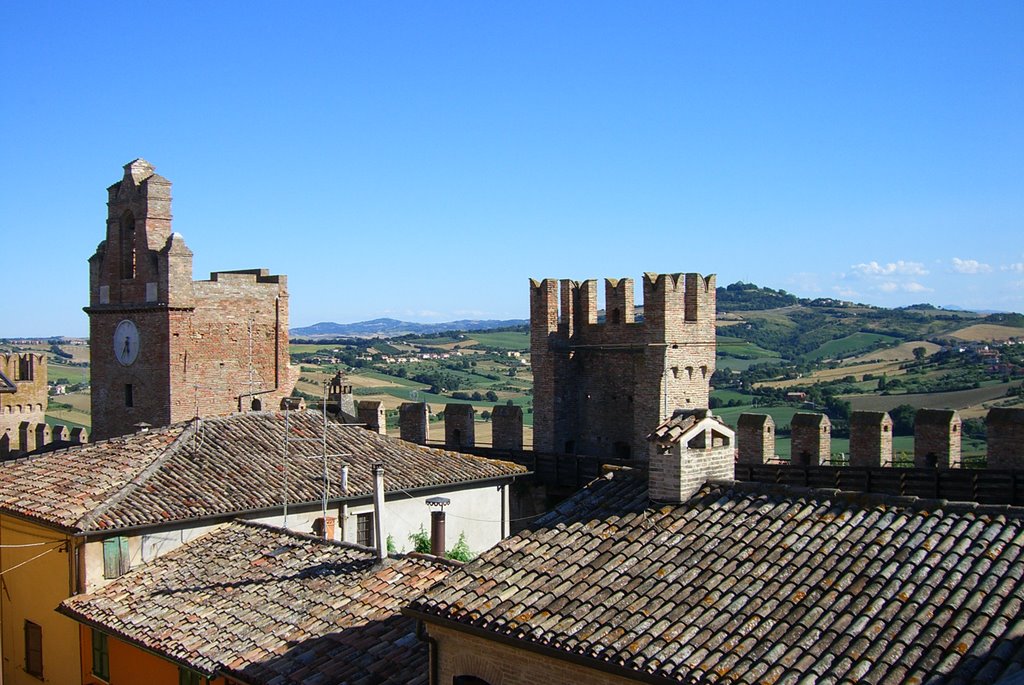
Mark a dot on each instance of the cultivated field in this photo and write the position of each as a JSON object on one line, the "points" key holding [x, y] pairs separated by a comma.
{"points": [[984, 332]]}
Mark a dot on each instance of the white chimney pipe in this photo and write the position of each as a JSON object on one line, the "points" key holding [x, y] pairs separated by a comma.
{"points": [[378, 508]]}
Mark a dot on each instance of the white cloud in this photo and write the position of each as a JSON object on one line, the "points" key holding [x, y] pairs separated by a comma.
{"points": [[970, 266], [909, 287], [899, 268], [1018, 267], [845, 293]]}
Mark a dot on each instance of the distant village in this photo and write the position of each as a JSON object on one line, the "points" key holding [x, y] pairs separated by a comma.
{"points": [[216, 527]]}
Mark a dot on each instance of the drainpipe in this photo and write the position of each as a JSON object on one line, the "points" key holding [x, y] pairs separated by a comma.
{"points": [[437, 524], [423, 636], [378, 508]]}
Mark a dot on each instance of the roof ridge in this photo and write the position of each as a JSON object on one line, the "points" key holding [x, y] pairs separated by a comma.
{"points": [[140, 477], [912, 502]]}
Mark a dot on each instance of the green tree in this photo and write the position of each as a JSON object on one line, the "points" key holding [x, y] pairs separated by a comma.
{"points": [[903, 419], [919, 353]]}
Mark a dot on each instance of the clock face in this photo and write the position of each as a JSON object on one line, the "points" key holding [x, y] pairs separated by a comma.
{"points": [[126, 342]]}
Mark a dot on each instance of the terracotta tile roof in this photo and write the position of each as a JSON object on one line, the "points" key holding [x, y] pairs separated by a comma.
{"points": [[681, 421], [752, 583], [265, 605], [222, 466]]}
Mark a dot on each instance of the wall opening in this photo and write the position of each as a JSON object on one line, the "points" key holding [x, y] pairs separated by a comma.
{"points": [[129, 395], [622, 450], [127, 245]]}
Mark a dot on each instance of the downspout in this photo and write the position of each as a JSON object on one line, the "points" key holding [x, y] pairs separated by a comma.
{"points": [[423, 636]]}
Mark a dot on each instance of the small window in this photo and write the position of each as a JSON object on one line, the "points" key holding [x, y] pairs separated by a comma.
{"points": [[364, 529], [34, 649], [187, 676], [129, 395], [116, 560], [100, 655]]}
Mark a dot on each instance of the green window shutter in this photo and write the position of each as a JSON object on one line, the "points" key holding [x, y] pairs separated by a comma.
{"points": [[116, 559], [126, 558], [100, 655]]}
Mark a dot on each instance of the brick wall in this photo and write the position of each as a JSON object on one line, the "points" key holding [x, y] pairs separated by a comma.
{"points": [[23, 410], [459, 428], [600, 388], [507, 427], [870, 438], [414, 422], [755, 436], [211, 347], [460, 654], [811, 439], [1005, 433]]}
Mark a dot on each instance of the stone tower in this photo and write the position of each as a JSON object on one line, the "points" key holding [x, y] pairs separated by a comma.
{"points": [[601, 388], [164, 346]]}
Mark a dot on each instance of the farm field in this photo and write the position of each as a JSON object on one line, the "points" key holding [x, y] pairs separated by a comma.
{"points": [[848, 346], [983, 332], [505, 340], [968, 402], [904, 352]]}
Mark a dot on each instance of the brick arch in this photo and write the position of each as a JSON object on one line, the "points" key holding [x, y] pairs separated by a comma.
{"points": [[472, 665]]}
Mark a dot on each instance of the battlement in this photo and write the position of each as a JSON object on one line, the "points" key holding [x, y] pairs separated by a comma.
{"points": [[249, 275], [570, 308], [599, 386]]}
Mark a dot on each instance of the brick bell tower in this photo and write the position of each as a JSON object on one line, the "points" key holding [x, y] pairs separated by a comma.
{"points": [[164, 347]]}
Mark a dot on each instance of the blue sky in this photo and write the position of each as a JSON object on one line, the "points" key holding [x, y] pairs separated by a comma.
{"points": [[423, 160]]}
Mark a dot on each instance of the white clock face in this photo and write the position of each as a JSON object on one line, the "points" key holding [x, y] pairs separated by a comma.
{"points": [[126, 342]]}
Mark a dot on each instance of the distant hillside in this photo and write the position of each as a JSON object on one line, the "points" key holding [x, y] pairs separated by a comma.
{"points": [[393, 328]]}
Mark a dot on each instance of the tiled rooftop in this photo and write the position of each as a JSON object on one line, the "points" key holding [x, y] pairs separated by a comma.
{"points": [[220, 466], [270, 607], [748, 583]]}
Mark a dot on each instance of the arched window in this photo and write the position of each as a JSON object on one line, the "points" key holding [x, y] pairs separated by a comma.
{"points": [[257, 404], [127, 245], [468, 680]]}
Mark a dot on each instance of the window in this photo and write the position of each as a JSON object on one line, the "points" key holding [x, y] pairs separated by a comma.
{"points": [[100, 655], [116, 560], [189, 677], [127, 245], [33, 649], [364, 529], [129, 395]]}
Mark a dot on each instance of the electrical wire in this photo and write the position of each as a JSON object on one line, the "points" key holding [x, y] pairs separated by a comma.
{"points": [[41, 554], [31, 544]]}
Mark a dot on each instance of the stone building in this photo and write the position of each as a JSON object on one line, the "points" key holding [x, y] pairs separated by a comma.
{"points": [[601, 388], [164, 347], [22, 402]]}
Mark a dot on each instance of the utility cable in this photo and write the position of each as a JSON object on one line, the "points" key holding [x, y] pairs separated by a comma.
{"points": [[5, 571]]}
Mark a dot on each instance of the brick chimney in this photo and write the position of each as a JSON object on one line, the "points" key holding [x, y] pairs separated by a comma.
{"points": [[688, 449]]}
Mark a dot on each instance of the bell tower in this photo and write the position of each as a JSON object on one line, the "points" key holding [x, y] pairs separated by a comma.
{"points": [[164, 347]]}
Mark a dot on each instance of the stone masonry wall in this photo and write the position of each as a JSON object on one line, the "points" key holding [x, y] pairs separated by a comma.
{"points": [[414, 422], [870, 439]]}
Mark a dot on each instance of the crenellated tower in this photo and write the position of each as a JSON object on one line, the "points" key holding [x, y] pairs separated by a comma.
{"points": [[600, 387]]}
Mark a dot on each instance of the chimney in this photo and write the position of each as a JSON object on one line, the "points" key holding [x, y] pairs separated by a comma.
{"points": [[437, 524], [686, 450], [378, 509]]}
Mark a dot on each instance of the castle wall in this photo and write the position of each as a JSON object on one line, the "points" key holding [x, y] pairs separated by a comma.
{"points": [[755, 437], [937, 438], [870, 439], [1005, 429], [811, 439], [459, 427], [414, 422], [600, 388], [507, 427], [23, 410]]}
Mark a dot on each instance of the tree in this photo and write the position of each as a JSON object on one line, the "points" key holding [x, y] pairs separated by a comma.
{"points": [[919, 353], [903, 419], [491, 396]]}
